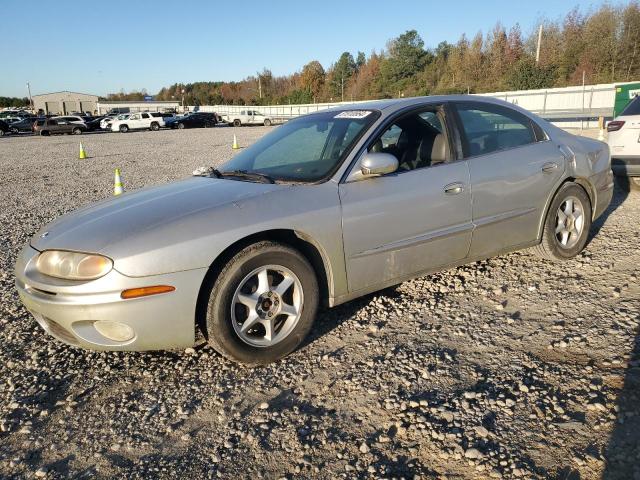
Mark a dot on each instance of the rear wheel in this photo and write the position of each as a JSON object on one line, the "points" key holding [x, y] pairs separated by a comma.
{"points": [[1, 132], [567, 225], [267, 122], [44, 133], [76, 131], [237, 122], [262, 304], [123, 129], [155, 127], [180, 126]]}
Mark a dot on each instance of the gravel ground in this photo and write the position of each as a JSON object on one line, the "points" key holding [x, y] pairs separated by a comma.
{"points": [[507, 368]]}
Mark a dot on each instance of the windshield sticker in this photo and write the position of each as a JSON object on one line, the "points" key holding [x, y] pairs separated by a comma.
{"points": [[353, 114]]}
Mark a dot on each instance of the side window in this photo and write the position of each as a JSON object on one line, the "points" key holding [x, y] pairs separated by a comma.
{"points": [[243, 112], [417, 140], [134, 117], [491, 128], [145, 115]]}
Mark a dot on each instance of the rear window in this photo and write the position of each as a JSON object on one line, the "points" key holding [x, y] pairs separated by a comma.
{"points": [[633, 107]]}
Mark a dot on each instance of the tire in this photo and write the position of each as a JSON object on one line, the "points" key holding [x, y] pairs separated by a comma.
{"points": [[575, 229], [155, 126], [208, 124], [224, 308], [15, 131], [76, 131], [44, 133], [181, 126], [2, 132], [267, 122], [237, 123], [123, 129]]}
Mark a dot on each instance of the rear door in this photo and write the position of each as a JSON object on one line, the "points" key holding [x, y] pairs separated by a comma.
{"points": [[145, 121], [514, 169]]}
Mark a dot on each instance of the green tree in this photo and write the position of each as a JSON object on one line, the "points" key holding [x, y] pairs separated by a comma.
{"points": [[406, 57], [526, 75]]}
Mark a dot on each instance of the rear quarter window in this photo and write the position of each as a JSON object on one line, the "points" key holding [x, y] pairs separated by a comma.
{"points": [[632, 108]]}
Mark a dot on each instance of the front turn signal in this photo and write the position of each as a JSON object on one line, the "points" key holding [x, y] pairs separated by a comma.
{"points": [[146, 291]]}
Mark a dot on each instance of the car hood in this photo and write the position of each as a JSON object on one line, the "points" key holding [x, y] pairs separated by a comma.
{"points": [[98, 227]]}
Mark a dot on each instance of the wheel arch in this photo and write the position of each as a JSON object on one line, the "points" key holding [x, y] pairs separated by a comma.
{"points": [[582, 183], [302, 242]]}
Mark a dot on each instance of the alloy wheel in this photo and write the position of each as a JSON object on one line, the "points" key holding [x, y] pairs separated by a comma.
{"points": [[569, 222], [267, 305]]}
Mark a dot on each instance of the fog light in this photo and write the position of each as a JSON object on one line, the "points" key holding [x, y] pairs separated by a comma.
{"points": [[114, 330]]}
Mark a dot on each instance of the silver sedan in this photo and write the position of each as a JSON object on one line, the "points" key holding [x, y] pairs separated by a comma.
{"points": [[324, 209]]}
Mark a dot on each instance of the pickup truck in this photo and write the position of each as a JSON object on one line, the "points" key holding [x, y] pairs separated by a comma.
{"points": [[247, 117], [138, 121]]}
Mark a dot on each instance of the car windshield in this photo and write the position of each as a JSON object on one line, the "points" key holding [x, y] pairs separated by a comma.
{"points": [[306, 149], [632, 108]]}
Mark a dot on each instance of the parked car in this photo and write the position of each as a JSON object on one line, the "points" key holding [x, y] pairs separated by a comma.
{"points": [[74, 119], [4, 128], [193, 120], [138, 121], [624, 141], [24, 125], [247, 117], [93, 123], [325, 208], [53, 126], [106, 122]]}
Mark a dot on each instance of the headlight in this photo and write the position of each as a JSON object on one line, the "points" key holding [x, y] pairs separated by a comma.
{"points": [[72, 265]]}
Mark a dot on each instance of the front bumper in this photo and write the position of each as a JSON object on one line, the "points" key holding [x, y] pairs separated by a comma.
{"points": [[626, 166], [68, 310]]}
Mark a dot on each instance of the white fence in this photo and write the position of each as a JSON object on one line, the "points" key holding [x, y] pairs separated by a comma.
{"points": [[569, 107]]}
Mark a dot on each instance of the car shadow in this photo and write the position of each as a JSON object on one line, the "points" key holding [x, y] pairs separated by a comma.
{"points": [[331, 318], [623, 448], [620, 194]]}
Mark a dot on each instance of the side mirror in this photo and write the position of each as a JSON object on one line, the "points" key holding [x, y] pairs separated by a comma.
{"points": [[374, 164]]}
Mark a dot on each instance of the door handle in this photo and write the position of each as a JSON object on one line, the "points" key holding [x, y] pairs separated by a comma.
{"points": [[454, 188], [549, 167]]}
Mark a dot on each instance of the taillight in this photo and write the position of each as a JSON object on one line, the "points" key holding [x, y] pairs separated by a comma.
{"points": [[615, 126]]}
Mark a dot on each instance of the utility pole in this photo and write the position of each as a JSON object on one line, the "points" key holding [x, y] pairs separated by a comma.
{"points": [[342, 82], [539, 42], [30, 98], [259, 87]]}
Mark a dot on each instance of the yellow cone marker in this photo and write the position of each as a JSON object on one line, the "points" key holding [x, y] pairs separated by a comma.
{"points": [[83, 154], [235, 142], [117, 183]]}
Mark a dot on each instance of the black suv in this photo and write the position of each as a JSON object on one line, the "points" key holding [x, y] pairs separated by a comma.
{"points": [[193, 120]]}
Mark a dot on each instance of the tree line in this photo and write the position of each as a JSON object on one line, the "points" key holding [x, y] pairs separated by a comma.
{"points": [[599, 46]]}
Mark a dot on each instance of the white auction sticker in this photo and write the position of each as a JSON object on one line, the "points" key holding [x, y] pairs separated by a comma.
{"points": [[353, 114]]}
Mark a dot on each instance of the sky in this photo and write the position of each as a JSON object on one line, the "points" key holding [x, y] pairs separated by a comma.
{"points": [[100, 47]]}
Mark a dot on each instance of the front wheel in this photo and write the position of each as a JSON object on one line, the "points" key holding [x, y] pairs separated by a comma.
{"points": [[180, 126], [237, 123], [262, 304], [267, 122], [76, 131], [566, 227], [123, 129]]}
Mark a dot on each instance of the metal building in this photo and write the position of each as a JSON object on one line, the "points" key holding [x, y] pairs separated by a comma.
{"points": [[64, 103]]}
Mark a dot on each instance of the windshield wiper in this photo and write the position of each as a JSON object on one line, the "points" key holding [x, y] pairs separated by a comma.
{"points": [[246, 174]]}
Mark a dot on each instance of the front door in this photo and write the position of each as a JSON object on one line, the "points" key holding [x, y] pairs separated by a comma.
{"points": [[514, 169], [413, 220]]}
